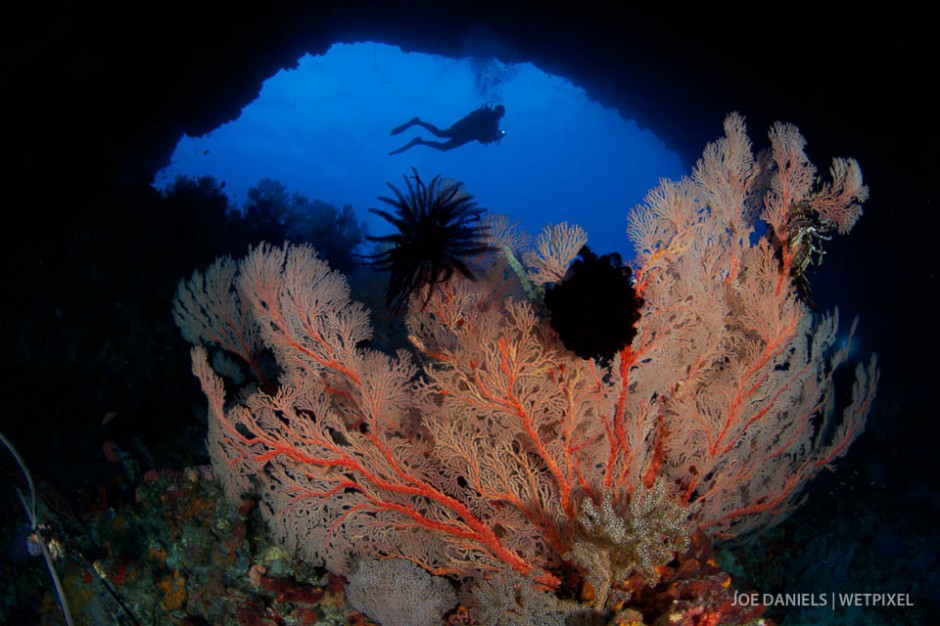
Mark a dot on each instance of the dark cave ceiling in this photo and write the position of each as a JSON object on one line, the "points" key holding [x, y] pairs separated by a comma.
{"points": [[98, 93], [96, 98]]}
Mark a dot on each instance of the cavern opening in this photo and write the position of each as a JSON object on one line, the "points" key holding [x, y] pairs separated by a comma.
{"points": [[323, 130]]}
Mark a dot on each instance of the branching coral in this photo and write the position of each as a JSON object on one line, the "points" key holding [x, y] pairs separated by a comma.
{"points": [[513, 600], [610, 545], [504, 451]]}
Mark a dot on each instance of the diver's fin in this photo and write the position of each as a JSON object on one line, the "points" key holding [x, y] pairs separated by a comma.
{"points": [[400, 129], [417, 141]]}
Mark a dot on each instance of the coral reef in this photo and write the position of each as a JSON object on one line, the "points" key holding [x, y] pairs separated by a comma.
{"points": [[399, 593], [500, 451], [612, 546]]}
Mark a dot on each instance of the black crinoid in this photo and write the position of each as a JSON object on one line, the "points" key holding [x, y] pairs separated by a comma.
{"points": [[438, 231], [595, 308]]}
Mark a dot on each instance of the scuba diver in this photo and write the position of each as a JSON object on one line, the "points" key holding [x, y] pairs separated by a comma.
{"points": [[482, 125]]}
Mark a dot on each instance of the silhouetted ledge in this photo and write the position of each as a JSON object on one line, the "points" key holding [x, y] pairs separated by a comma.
{"points": [[96, 98], [106, 93]]}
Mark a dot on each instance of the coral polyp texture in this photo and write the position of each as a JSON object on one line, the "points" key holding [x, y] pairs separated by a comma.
{"points": [[499, 452]]}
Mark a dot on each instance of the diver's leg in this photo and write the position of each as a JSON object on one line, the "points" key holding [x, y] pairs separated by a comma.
{"points": [[437, 145], [417, 141], [443, 146], [434, 129], [400, 129]]}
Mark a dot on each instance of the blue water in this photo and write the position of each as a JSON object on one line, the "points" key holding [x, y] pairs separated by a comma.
{"points": [[323, 130]]}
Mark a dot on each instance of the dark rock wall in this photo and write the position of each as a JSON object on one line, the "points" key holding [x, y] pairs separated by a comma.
{"points": [[95, 99]]}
